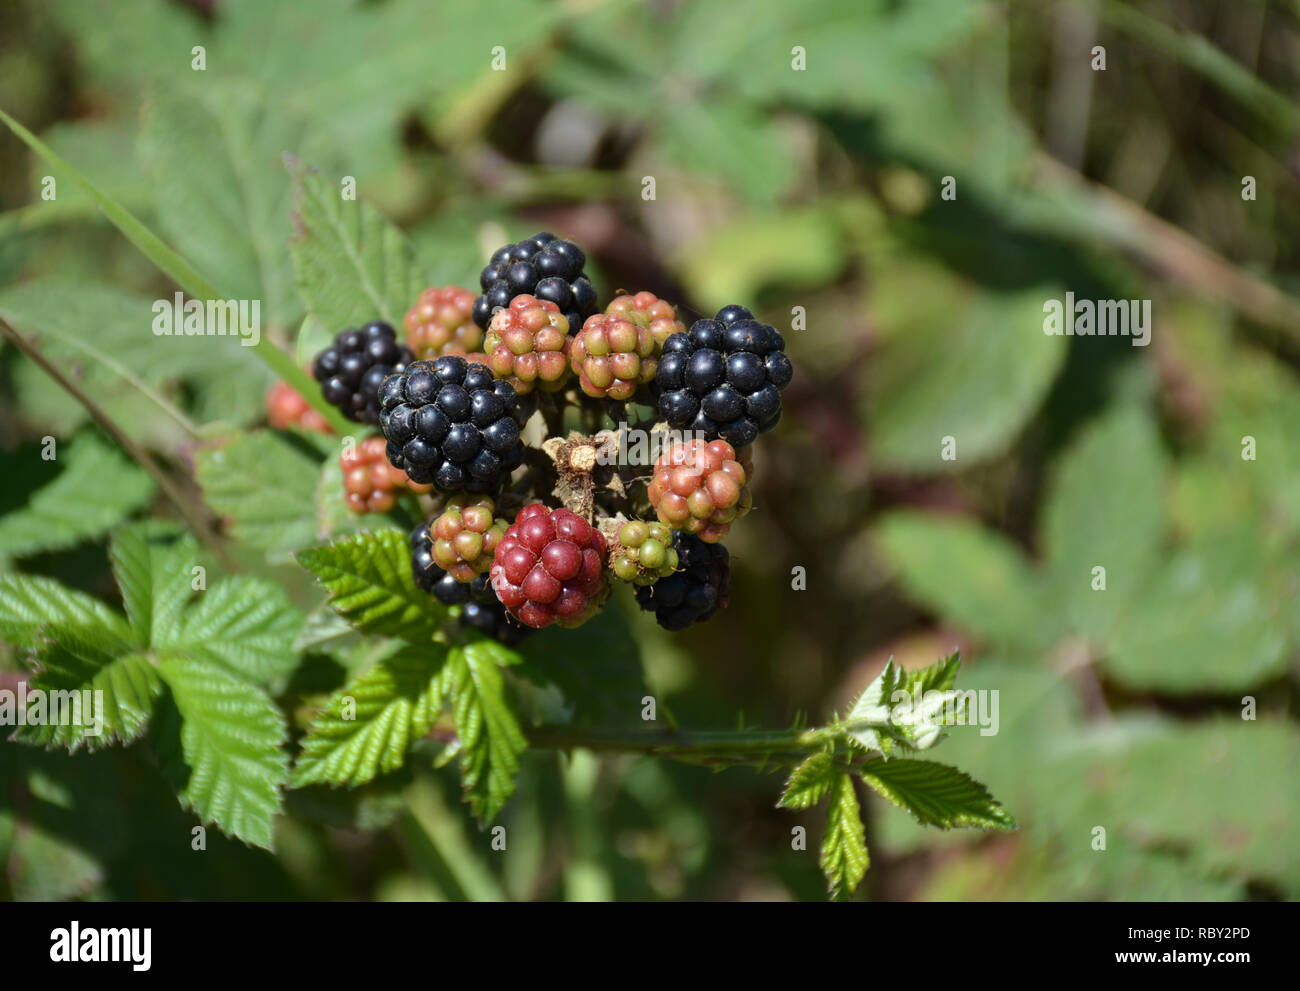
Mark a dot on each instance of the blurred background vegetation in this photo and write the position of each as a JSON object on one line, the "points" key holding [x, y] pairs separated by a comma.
{"points": [[778, 188]]}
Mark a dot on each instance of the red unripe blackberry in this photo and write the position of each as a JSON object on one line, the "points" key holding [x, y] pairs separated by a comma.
{"points": [[613, 356], [527, 344], [465, 536], [369, 481], [702, 487], [286, 408], [646, 309], [352, 370], [442, 322], [550, 568], [695, 591], [480, 609]]}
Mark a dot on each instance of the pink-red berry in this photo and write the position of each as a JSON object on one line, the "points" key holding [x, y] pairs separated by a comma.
{"points": [[645, 309], [701, 488], [549, 568], [465, 536], [286, 408], [527, 344], [442, 322], [370, 483]]}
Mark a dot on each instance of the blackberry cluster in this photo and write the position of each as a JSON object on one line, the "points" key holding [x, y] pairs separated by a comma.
{"points": [[450, 422], [543, 266], [724, 377], [452, 405], [695, 591], [479, 606], [352, 370]]}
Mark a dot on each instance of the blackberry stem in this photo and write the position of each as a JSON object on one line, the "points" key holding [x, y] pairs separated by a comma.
{"points": [[704, 747], [192, 514]]}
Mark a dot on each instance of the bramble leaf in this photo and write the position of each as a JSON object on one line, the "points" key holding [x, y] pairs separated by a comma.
{"points": [[936, 794], [879, 719], [1119, 525], [968, 574], [810, 782], [236, 474], [368, 726], [213, 153], [95, 491], [351, 265], [490, 737], [245, 623], [226, 758], [844, 857], [368, 578], [155, 581], [78, 661], [30, 603]]}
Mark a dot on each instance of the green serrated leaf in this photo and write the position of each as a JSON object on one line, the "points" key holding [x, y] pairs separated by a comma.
{"points": [[368, 578], [245, 623], [1106, 509], [936, 794], [844, 858], [1238, 638], [351, 265], [968, 574], [266, 485], [368, 726], [226, 758], [736, 142], [490, 737], [155, 581], [29, 604], [904, 707], [213, 151], [977, 374], [809, 782], [122, 688], [102, 330], [96, 490]]}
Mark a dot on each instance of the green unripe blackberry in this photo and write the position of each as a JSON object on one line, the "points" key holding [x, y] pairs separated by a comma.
{"points": [[643, 553]]}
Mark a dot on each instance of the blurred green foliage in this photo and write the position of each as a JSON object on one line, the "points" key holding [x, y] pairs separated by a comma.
{"points": [[815, 188]]}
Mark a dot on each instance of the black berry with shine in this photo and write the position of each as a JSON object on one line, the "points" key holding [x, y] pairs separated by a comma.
{"points": [[480, 609], [724, 377], [543, 266], [451, 422], [695, 591], [352, 370]]}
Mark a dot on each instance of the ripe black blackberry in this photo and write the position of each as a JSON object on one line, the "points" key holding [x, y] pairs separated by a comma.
{"points": [[543, 266], [724, 377], [354, 367], [452, 423], [695, 591], [480, 609]]}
